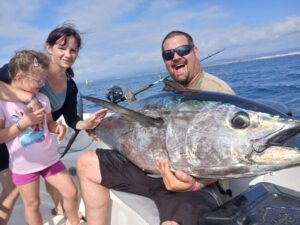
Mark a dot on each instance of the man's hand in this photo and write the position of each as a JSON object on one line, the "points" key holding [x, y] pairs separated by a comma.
{"points": [[178, 181]]}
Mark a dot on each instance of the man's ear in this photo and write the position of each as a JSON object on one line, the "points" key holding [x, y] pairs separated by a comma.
{"points": [[196, 52]]}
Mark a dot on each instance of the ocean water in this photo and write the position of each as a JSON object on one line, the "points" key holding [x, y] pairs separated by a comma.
{"points": [[276, 79]]}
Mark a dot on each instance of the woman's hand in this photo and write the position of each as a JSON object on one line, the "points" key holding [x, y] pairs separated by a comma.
{"points": [[96, 118], [93, 121], [178, 181]]}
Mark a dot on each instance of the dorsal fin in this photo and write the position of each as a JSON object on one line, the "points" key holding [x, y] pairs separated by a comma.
{"points": [[128, 113]]}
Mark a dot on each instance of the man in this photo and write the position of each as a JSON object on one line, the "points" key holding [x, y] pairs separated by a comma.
{"points": [[103, 169], [187, 71]]}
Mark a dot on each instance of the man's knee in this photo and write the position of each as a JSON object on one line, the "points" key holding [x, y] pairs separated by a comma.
{"points": [[85, 161], [88, 167]]}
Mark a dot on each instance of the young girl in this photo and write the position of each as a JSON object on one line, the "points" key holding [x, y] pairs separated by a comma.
{"points": [[26, 134]]}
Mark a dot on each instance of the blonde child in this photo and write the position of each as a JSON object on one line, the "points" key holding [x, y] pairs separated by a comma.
{"points": [[27, 136]]}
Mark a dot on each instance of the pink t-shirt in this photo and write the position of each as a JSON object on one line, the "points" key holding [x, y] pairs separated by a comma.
{"points": [[33, 149]]}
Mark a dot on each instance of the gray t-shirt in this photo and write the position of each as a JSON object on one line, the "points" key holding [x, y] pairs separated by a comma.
{"points": [[56, 99]]}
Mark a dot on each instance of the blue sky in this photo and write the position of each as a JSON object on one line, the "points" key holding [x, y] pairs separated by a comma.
{"points": [[121, 38]]}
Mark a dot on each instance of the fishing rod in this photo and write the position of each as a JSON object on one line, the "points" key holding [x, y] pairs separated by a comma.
{"points": [[115, 94], [130, 96], [74, 136], [215, 53]]}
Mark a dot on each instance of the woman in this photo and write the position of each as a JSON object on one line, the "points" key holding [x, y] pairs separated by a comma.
{"points": [[62, 45]]}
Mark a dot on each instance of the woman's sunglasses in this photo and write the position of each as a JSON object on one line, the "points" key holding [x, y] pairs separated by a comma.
{"points": [[181, 51]]}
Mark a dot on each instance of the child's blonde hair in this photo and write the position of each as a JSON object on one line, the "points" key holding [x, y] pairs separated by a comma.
{"points": [[28, 62]]}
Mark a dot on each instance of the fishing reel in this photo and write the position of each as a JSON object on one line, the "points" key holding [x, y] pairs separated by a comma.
{"points": [[115, 94]]}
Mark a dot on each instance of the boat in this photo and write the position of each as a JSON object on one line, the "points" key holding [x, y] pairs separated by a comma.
{"points": [[131, 209], [88, 81]]}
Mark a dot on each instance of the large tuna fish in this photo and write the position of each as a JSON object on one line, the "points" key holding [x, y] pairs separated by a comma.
{"points": [[205, 134]]}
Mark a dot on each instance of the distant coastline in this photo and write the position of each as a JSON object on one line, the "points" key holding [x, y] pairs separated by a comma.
{"points": [[160, 71], [257, 58]]}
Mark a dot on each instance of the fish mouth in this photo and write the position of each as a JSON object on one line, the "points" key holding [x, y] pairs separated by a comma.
{"points": [[278, 138], [275, 151]]}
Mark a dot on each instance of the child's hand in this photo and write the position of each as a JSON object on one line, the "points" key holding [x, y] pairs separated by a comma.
{"points": [[35, 104], [60, 131], [32, 118]]}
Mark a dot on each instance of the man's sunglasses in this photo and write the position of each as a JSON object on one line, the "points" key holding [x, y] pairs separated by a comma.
{"points": [[181, 51]]}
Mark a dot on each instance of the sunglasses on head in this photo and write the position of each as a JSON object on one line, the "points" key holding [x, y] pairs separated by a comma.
{"points": [[181, 51]]}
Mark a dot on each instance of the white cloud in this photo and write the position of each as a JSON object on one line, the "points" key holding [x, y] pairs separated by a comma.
{"points": [[289, 25], [120, 36]]}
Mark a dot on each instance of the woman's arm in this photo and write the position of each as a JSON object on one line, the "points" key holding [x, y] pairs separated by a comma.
{"points": [[69, 111], [9, 93]]}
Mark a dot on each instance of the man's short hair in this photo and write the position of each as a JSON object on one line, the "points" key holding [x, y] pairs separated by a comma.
{"points": [[176, 33]]}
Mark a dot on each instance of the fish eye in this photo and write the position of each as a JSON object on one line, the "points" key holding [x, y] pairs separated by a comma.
{"points": [[240, 120]]}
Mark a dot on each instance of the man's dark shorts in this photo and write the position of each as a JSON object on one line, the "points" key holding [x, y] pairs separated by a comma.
{"points": [[183, 207]]}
